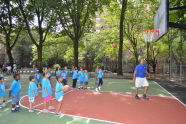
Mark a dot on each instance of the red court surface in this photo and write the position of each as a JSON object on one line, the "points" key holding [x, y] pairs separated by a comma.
{"points": [[118, 107]]}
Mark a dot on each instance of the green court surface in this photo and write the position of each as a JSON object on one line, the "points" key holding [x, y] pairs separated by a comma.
{"points": [[110, 85]]}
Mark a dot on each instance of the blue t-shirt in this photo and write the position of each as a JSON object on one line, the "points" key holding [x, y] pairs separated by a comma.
{"points": [[2, 90], [67, 72], [140, 70], [80, 76], [37, 76], [59, 86], [1, 75], [86, 76], [64, 75], [74, 74], [58, 72], [15, 87], [32, 90], [100, 74], [46, 85]]}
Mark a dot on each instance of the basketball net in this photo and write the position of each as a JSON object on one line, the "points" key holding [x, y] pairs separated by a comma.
{"points": [[151, 35]]}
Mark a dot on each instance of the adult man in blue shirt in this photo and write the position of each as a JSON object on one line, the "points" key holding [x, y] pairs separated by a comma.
{"points": [[139, 78]]}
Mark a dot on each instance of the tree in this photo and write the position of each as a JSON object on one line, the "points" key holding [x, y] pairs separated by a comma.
{"points": [[37, 16], [10, 25], [120, 51], [54, 50], [75, 17]]}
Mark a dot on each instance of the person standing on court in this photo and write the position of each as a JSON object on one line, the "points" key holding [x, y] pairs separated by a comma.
{"points": [[139, 78], [74, 76]]}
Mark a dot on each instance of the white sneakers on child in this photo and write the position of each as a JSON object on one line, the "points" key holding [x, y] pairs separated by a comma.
{"points": [[98, 89], [30, 110], [45, 111]]}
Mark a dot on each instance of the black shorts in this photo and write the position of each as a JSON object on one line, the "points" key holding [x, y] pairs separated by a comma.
{"points": [[64, 82], [100, 82], [86, 83]]}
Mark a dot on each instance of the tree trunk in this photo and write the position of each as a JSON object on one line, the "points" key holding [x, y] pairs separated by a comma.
{"points": [[86, 62], [40, 58], [136, 56], [76, 52], [154, 68], [120, 51], [9, 53]]}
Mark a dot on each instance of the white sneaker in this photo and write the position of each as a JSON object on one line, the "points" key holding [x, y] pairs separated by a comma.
{"points": [[61, 115], [30, 110], [44, 111], [97, 90], [51, 107]]}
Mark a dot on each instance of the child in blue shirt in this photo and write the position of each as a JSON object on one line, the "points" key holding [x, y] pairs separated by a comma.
{"points": [[64, 76], [58, 71], [99, 79], [85, 81], [32, 92], [2, 92], [80, 78], [67, 71], [14, 92], [74, 77], [46, 92], [59, 94], [38, 76]]}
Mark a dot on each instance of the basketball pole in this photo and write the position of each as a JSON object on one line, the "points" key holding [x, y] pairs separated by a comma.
{"points": [[148, 44], [170, 53]]}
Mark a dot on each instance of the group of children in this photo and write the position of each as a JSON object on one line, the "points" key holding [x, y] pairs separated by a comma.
{"points": [[80, 77]]}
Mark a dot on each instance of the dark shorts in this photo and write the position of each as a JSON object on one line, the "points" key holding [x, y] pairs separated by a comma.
{"points": [[64, 81], [86, 83], [100, 81]]}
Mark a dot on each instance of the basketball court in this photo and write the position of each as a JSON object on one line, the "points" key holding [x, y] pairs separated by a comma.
{"points": [[117, 107], [115, 104]]}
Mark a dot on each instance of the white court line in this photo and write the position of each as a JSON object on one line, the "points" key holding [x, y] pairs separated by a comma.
{"points": [[127, 93], [52, 99], [40, 111], [171, 94]]}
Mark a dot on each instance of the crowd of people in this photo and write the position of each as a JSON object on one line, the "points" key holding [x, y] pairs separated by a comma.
{"points": [[10, 68]]}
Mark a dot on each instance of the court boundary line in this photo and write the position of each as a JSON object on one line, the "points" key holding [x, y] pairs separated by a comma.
{"points": [[52, 99], [40, 111], [171, 94], [127, 93]]}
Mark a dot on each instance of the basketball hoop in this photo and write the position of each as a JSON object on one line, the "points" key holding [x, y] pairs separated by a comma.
{"points": [[151, 35]]}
